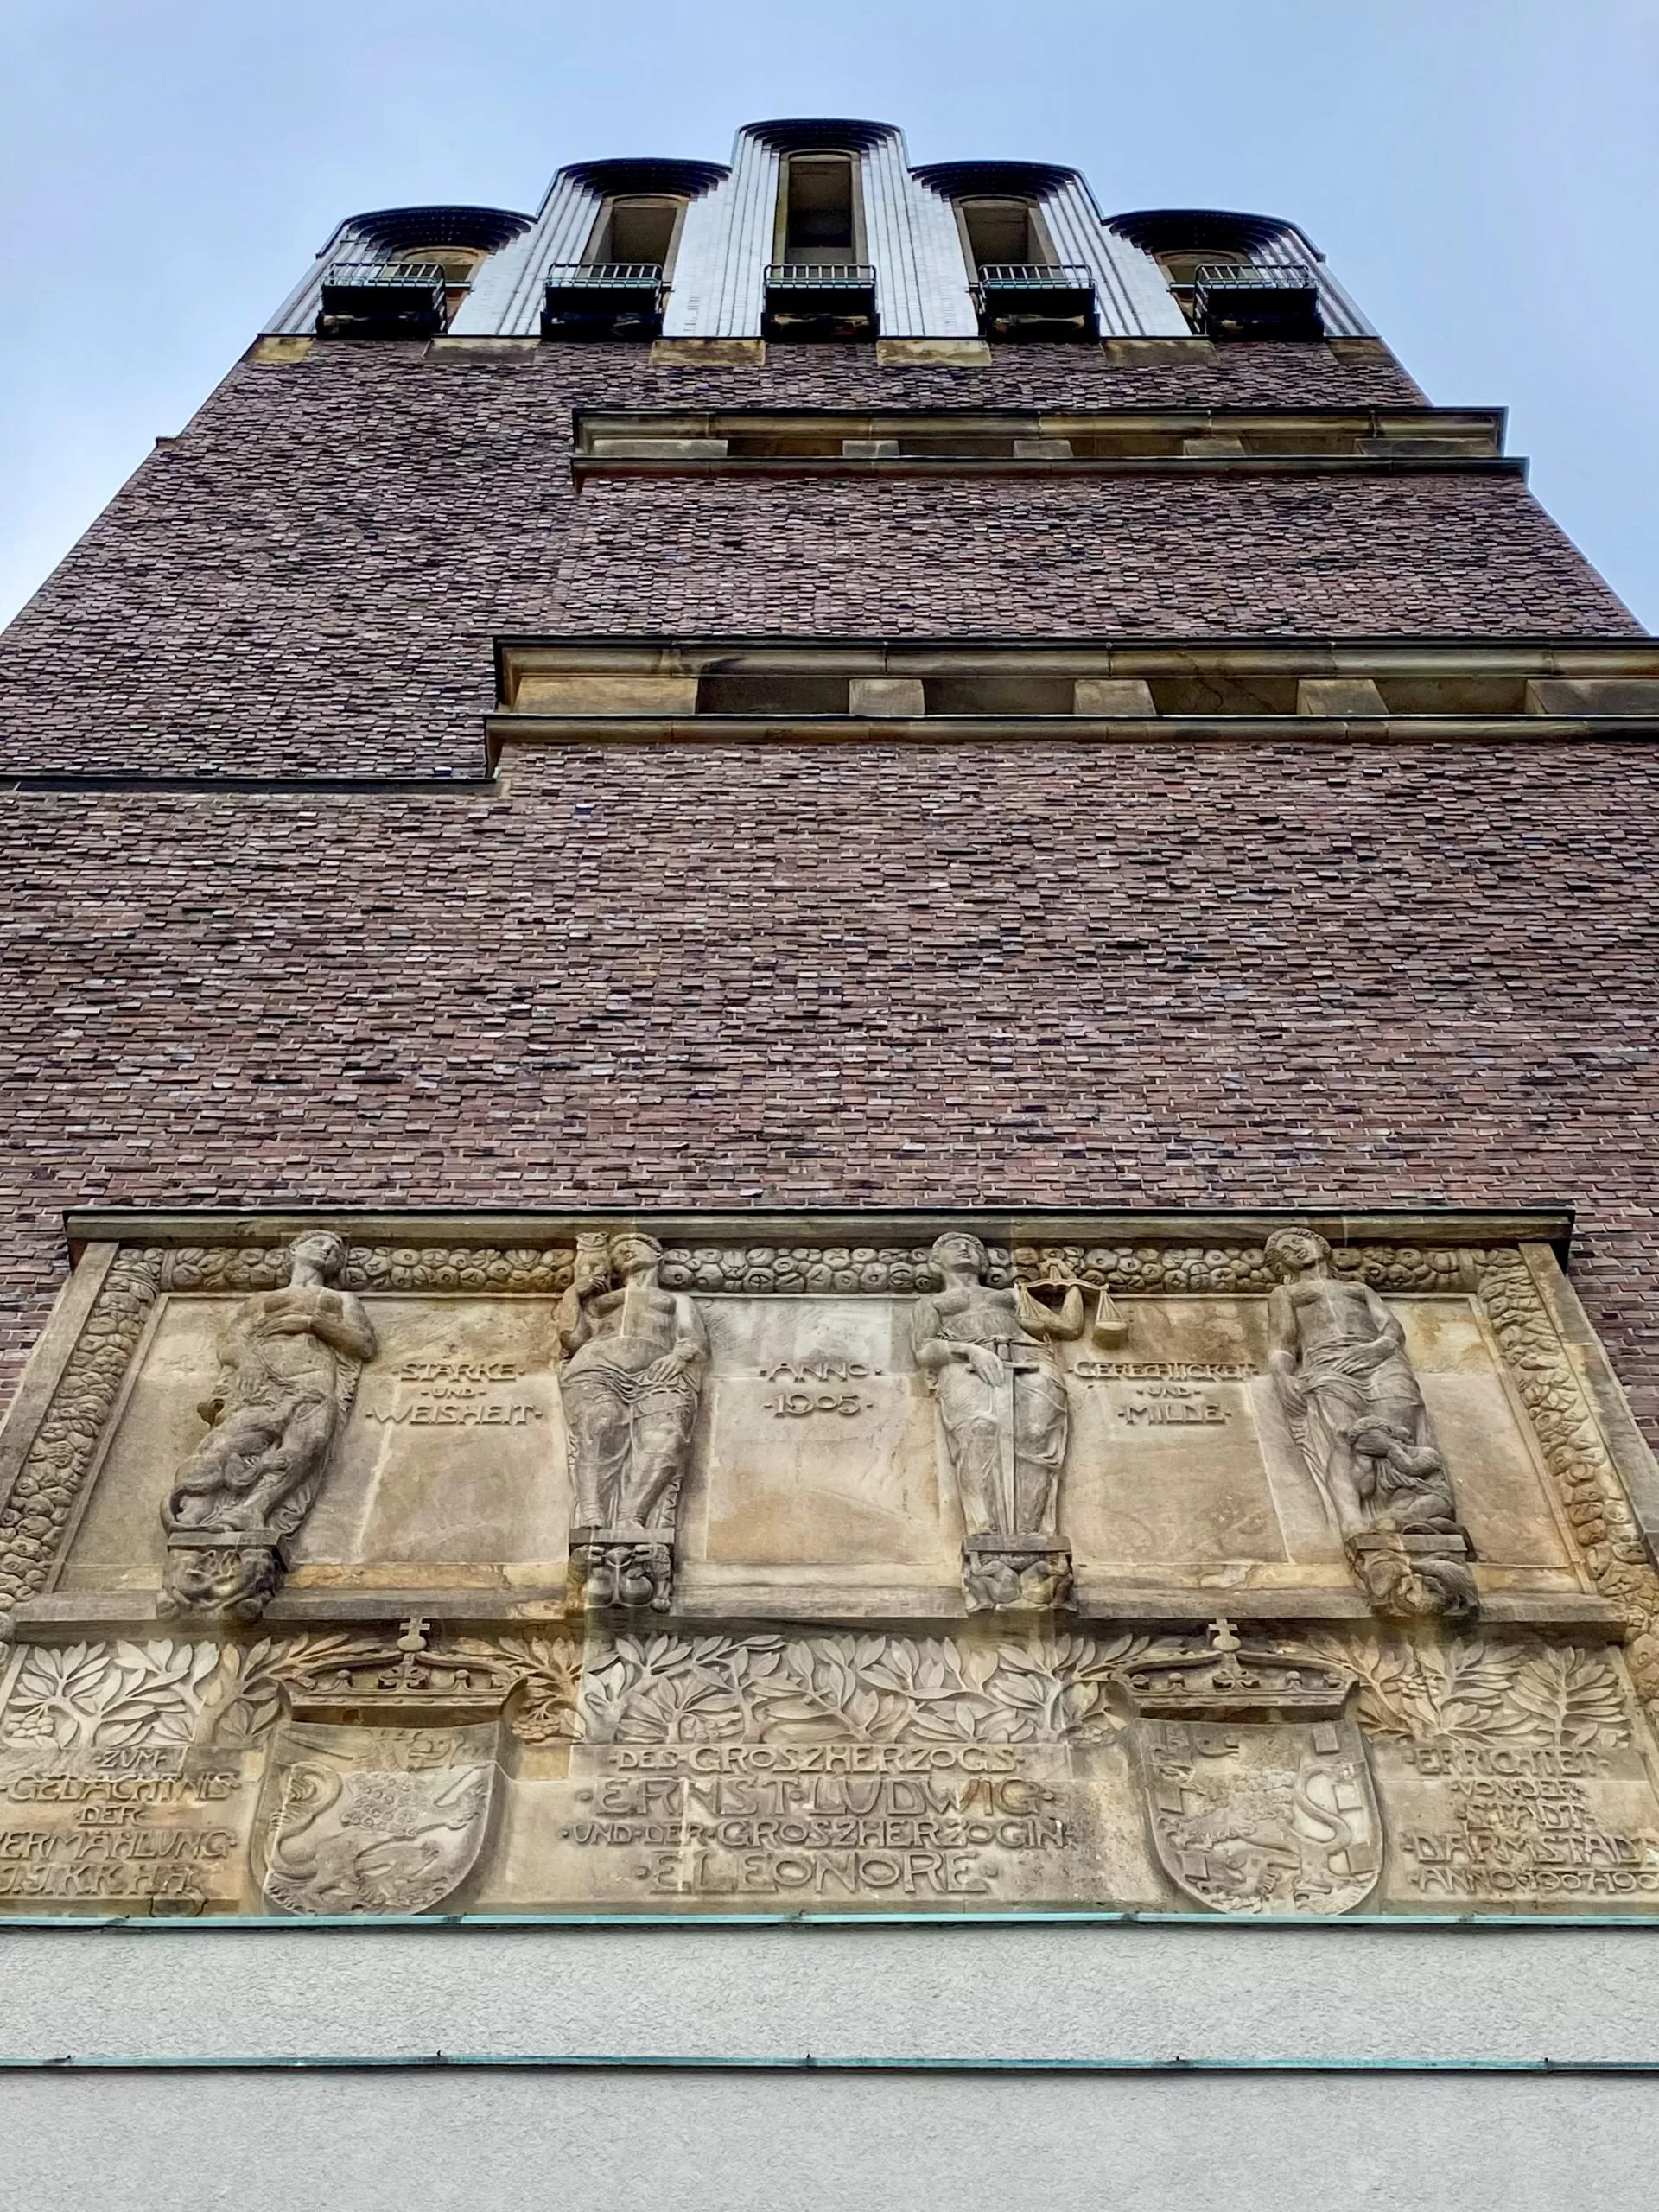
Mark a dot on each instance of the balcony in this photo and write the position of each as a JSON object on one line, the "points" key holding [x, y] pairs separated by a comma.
{"points": [[1234, 300], [604, 299], [824, 300], [1035, 299], [383, 299]]}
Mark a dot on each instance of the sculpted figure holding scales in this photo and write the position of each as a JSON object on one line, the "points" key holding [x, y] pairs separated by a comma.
{"points": [[633, 1379], [1344, 1377], [1005, 1418]]}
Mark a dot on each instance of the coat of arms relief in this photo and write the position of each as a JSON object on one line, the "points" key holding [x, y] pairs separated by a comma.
{"points": [[1275, 1571]]}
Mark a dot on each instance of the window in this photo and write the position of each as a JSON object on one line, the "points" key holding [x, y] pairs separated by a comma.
{"points": [[818, 210], [640, 229], [458, 263], [1004, 232], [1180, 263]]}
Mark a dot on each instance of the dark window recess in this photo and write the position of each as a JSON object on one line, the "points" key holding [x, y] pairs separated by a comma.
{"points": [[955, 445], [998, 694], [1223, 694], [1234, 300], [1127, 445], [772, 695], [1004, 231], [784, 445], [819, 218], [640, 230], [383, 299]]}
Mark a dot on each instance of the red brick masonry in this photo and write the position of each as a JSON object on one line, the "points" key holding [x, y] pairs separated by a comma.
{"points": [[1125, 975], [311, 578], [1152, 974]]}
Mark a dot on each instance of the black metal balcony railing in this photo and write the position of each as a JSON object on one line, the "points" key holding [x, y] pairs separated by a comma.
{"points": [[1242, 299], [606, 276], [1035, 299], [382, 298], [829, 300], [603, 299], [1034, 277], [820, 276]]}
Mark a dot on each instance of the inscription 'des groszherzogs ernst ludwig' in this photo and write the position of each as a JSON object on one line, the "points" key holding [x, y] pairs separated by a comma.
{"points": [[1245, 1567]]}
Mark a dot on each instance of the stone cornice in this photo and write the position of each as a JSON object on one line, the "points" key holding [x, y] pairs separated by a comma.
{"points": [[1436, 1227]]}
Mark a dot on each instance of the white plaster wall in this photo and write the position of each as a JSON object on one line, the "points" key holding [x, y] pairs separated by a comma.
{"points": [[676, 2142], [1198, 1991], [354, 2142]]}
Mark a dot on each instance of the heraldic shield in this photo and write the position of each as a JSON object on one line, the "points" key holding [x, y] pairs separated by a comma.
{"points": [[374, 1820], [1253, 1816]]}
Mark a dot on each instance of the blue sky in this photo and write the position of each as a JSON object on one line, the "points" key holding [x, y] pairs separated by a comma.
{"points": [[1482, 173]]}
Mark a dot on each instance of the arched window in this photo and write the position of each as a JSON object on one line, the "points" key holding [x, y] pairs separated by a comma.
{"points": [[1233, 275], [1004, 232], [819, 219], [1181, 263]]}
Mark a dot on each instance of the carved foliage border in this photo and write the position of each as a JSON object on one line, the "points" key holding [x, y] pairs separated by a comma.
{"points": [[1577, 1456], [846, 1269], [60, 1455], [1043, 1687]]}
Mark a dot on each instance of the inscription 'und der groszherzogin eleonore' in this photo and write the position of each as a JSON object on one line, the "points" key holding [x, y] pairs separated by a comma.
{"points": [[636, 1570]]}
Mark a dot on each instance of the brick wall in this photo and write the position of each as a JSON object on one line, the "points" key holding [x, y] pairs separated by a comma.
{"points": [[1073, 974], [1125, 975], [310, 578]]}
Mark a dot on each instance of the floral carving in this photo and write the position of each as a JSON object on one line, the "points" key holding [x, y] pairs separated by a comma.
{"points": [[893, 1270], [86, 1696], [434, 1266], [375, 1266], [863, 1689], [224, 1267], [1243, 1268], [1545, 1695], [1576, 1457], [34, 1517], [885, 1269]]}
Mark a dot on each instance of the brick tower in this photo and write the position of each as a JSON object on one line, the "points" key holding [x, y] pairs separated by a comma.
{"points": [[829, 983]]}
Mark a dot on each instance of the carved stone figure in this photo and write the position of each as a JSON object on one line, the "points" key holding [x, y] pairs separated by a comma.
{"points": [[1004, 1413], [1340, 1359], [634, 1359], [289, 1361]]}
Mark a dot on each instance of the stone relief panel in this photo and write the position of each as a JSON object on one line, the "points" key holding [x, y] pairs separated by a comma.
{"points": [[1226, 1770], [448, 1467], [1355, 1409], [373, 1819], [635, 1355], [365, 1577], [289, 1363], [823, 1442]]}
